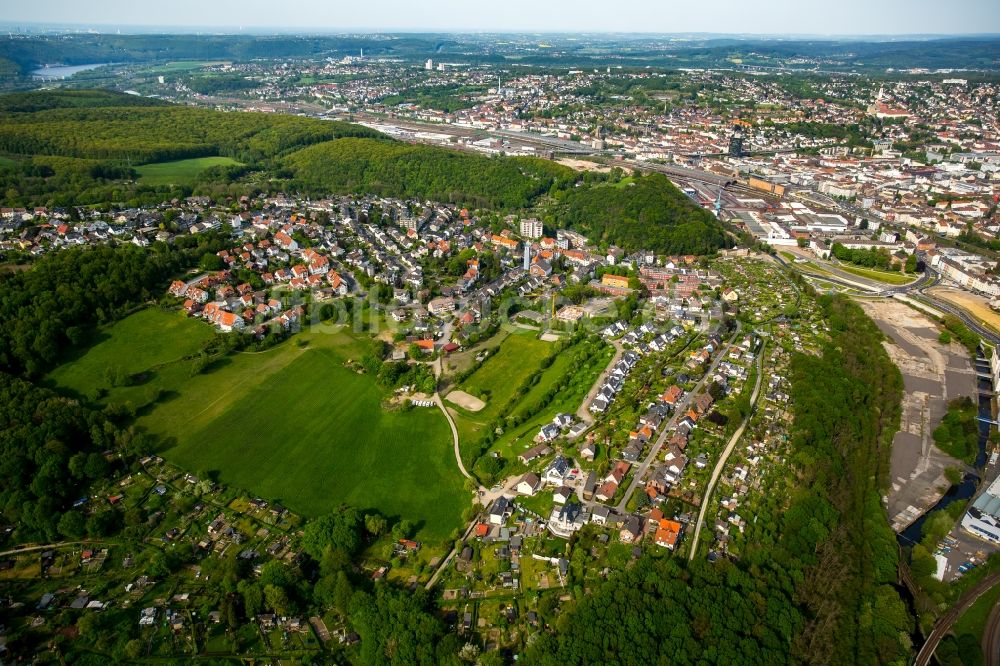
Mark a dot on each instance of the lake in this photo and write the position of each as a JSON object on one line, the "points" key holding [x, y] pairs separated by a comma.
{"points": [[62, 71]]}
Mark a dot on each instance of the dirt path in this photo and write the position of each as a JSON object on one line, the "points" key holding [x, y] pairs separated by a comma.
{"points": [[734, 440], [436, 367]]}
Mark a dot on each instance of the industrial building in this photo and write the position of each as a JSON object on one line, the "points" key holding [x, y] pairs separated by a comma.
{"points": [[983, 517]]}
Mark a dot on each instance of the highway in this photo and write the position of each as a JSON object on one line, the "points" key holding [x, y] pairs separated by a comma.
{"points": [[915, 290]]}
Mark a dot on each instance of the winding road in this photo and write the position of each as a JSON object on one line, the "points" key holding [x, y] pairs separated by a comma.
{"points": [[726, 453]]}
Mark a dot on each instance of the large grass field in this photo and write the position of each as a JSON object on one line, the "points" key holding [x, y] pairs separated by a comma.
{"points": [[290, 424], [877, 275], [179, 172], [498, 379]]}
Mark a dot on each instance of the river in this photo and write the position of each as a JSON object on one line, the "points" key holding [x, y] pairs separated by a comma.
{"points": [[55, 72]]}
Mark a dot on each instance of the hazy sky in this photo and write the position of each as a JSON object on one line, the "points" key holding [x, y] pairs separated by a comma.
{"points": [[820, 17]]}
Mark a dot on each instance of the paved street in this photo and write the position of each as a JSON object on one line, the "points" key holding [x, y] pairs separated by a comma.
{"points": [[643, 467]]}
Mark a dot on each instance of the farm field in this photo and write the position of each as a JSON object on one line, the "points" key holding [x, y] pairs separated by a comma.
{"points": [[179, 172], [290, 424]]}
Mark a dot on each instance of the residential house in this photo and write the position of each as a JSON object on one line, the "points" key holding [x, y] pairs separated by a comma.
{"points": [[534, 453], [668, 533], [631, 529], [556, 472], [562, 494], [528, 484], [500, 510]]}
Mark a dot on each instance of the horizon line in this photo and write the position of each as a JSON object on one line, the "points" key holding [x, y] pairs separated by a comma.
{"points": [[235, 30]]}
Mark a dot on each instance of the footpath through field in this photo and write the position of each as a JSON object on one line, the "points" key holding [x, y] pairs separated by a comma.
{"points": [[436, 366]]}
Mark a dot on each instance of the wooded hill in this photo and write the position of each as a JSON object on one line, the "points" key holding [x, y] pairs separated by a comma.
{"points": [[645, 212], [80, 147]]}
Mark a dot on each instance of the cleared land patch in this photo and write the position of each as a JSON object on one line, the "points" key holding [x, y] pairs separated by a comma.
{"points": [[466, 401], [179, 172], [975, 305]]}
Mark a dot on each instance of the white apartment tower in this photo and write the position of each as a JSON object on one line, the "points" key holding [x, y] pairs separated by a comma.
{"points": [[531, 228]]}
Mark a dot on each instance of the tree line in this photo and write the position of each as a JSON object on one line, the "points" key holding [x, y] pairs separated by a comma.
{"points": [[53, 307], [393, 169]]}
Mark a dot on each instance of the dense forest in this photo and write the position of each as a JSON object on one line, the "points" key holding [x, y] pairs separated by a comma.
{"points": [[647, 212], [402, 170], [80, 147], [51, 450], [109, 126], [815, 584]]}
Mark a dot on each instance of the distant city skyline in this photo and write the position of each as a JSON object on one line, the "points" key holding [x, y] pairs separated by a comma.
{"points": [[764, 17]]}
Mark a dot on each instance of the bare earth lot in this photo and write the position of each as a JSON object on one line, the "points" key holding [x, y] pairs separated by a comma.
{"points": [[976, 305], [933, 374], [465, 401]]}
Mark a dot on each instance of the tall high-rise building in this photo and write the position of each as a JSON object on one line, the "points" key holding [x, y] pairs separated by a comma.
{"points": [[429, 65], [527, 256], [531, 228]]}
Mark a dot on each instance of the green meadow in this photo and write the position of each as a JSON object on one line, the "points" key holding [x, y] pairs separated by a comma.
{"points": [[291, 424], [179, 172], [497, 380]]}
